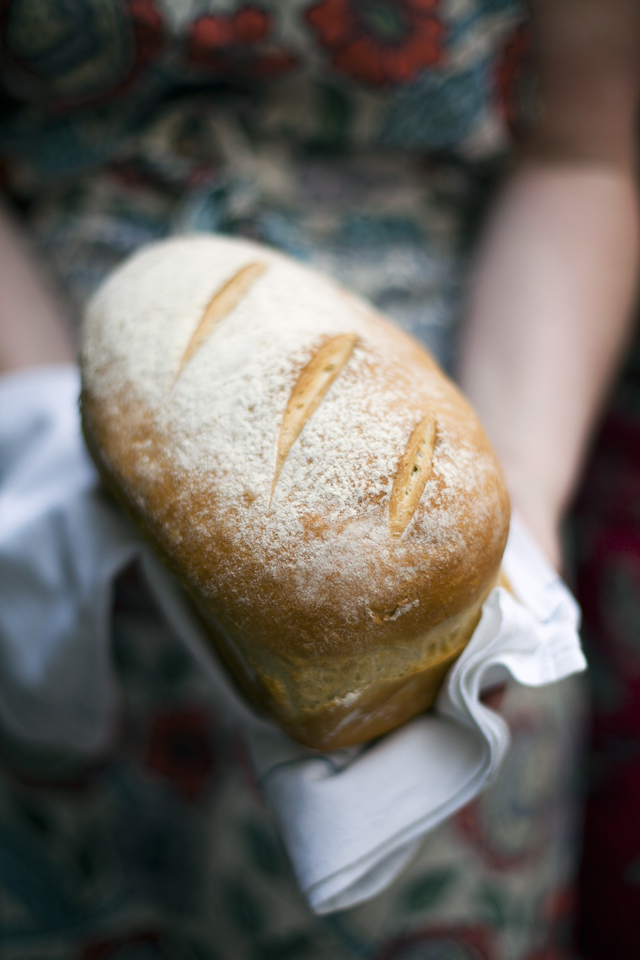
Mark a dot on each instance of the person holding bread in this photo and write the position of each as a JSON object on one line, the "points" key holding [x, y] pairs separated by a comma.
{"points": [[340, 534]]}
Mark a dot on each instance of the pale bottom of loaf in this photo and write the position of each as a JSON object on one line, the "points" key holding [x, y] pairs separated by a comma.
{"points": [[326, 707]]}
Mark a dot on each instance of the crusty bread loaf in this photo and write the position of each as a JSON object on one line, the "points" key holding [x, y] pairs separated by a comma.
{"points": [[323, 492]]}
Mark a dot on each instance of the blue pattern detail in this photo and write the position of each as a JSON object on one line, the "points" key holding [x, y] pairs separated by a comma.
{"points": [[437, 112]]}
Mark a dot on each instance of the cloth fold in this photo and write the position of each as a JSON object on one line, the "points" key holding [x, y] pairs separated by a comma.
{"points": [[350, 819]]}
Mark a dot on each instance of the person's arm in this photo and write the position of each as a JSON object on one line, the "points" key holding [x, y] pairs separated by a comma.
{"points": [[555, 277], [33, 330]]}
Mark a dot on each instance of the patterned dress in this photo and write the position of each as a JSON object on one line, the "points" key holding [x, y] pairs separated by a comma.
{"points": [[357, 135], [608, 527]]}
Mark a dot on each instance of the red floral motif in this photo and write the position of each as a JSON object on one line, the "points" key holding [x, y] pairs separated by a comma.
{"points": [[180, 750], [237, 45], [379, 41], [148, 29], [513, 66]]}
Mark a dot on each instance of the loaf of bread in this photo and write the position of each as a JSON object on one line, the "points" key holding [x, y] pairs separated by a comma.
{"points": [[323, 492]]}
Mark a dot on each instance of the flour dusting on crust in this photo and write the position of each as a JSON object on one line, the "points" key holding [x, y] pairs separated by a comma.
{"points": [[327, 522]]}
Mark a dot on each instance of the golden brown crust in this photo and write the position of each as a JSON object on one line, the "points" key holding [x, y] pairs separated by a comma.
{"points": [[344, 649]]}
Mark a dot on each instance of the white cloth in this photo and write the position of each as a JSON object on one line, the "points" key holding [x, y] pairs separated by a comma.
{"points": [[61, 545], [351, 819]]}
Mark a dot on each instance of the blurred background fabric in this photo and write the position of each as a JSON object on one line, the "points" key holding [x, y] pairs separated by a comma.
{"points": [[362, 136], [350, 133]]}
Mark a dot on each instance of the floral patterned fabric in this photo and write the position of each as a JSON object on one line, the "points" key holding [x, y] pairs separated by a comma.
{"points": [[80, 77], [353, 134], [608, 524], [302, 124]]}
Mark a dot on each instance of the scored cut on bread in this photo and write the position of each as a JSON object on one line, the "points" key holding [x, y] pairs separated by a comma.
{"points": [[324, 493]]}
